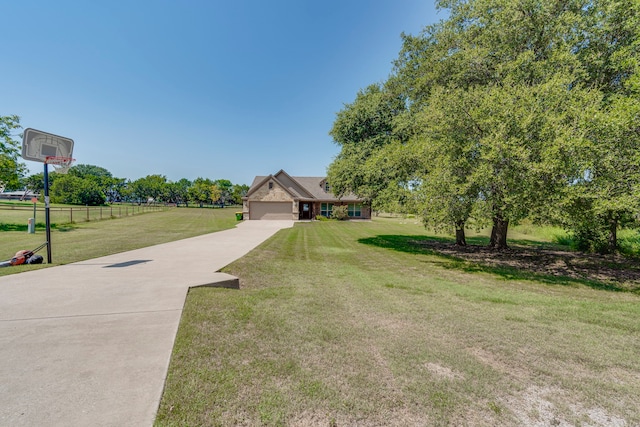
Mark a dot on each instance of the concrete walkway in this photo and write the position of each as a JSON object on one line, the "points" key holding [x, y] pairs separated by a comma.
{"points": [[89, 343]]}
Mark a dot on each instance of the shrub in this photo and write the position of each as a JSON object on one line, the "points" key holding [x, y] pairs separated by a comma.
{"points": [[340, 213], [629, 242], [321, 218], [590, 238], [564, 239]]}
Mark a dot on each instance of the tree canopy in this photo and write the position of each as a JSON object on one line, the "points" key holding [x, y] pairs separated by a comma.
{"points": [[11, 170], [503, 111]]}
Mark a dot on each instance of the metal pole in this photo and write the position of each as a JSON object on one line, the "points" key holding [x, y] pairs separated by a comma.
{"points": [[47, 217]]}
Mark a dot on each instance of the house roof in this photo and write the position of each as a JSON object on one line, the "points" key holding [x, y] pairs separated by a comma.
{"points": [[301, 187], [259, 181]]}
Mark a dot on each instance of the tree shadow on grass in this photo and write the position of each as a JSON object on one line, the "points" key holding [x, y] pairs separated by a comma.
{"points": [[524, 260], [39, 226], [64, 228], [13, 227]]}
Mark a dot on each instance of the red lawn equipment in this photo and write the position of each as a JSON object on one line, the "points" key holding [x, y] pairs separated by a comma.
{"points": [[24, 257]]}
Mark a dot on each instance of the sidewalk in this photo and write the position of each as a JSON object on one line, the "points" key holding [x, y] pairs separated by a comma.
{"points": [[89, 343]]}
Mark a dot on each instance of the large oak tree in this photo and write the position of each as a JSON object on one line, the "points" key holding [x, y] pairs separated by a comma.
{"points": [[518, 108]]}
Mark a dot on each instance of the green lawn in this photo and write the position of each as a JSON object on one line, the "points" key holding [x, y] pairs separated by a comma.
{"points": [[86, 240], [336, 324]]}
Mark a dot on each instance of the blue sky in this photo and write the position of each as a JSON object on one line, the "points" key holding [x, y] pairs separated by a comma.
{"points": [[215, 89]]}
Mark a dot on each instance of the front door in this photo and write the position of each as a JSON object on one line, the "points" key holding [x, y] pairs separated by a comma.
{"points": [[305, 210]]}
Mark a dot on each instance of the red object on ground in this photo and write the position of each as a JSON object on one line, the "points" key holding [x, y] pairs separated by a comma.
{"points": [[20, 257]]}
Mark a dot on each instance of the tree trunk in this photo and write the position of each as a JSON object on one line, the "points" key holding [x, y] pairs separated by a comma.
{"points": [[612, 241], [499, 233], [492, 239], [460, 236]]}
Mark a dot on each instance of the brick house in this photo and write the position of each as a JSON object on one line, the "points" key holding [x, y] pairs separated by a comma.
{"points": [[281, 196]]}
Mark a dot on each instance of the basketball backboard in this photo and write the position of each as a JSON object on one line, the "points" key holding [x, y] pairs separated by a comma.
{"points": [[38, 145]]}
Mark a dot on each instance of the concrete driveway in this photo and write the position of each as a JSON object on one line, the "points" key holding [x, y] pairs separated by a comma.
{"points": [[89, 343]]}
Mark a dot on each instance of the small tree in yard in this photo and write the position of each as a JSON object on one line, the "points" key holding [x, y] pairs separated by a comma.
{"points": [[200, 191], [215, 193], [340, 213]]}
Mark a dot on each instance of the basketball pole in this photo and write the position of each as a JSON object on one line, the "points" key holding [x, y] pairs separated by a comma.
{"points": [[47, 148], [47, 217]]}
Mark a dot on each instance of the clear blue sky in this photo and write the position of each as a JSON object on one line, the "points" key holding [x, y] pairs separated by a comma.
{"points": [[216, 89]]}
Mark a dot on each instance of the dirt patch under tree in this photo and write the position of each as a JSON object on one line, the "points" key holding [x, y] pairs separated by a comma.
{"points": [[613, 271]]}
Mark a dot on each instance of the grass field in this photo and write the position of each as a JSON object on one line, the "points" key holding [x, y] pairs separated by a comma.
{"points": [[77, 242], [342, 324]]}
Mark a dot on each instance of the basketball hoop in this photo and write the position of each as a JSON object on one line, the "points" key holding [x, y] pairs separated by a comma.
{"points": [[60, 164]]}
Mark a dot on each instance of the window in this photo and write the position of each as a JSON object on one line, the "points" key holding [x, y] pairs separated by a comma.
{"points": [[326, 186], [326, 209], [270, 185], [355, 209]]}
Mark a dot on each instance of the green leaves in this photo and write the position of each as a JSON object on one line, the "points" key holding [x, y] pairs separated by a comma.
{"points": [[200, 190], [10, 169], [150, 187], [73, 190], [510, 109], [364, 129]]}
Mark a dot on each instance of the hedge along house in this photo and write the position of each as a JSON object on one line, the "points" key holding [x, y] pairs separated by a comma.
{"points": [[281, 196]]}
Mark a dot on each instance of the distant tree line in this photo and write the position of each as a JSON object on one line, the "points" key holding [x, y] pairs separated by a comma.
{"points": [[94, 185], [505, 110]]}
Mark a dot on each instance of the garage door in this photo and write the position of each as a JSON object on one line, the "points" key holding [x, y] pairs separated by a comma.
{"points": [[271, 210]]}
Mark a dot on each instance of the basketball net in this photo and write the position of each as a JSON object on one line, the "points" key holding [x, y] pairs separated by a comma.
{"points": [[60, 164]]}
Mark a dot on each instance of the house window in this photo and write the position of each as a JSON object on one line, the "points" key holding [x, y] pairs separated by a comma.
{"points": [[326, 209], [355, 209], [271, 186], [326, 186]]}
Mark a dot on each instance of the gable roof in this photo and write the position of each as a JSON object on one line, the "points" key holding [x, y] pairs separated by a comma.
{"points": [[301, 187], [292, 184], [259, 181]]}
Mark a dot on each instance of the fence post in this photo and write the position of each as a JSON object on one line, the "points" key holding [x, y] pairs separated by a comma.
{"points": [[71, 215]]}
